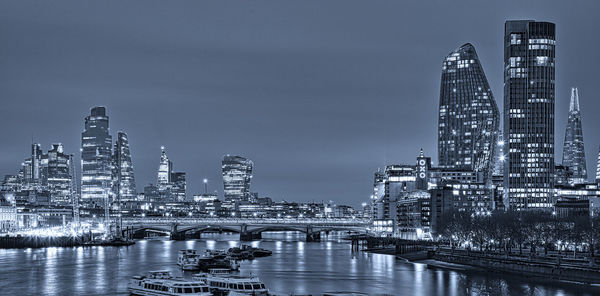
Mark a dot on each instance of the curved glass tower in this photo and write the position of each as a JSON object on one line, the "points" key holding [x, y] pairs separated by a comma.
{"points": [[96, 158], [124, 178], [468, 114], [573, 149]]}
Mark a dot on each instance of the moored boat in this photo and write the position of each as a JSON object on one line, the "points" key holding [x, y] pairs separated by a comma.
{"points": [[163, 283], [227, 284]]}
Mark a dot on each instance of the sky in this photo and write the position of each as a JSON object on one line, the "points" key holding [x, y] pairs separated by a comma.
{"points": [[319, 94]]}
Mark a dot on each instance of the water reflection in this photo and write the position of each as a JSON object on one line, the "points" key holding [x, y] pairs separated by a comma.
{"points": [[295, 266]]}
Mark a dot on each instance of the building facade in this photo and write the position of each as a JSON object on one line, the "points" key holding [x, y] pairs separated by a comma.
{"points": [[165, 168], [468, 115], [237, 175], [573, 149], [529, 48], [124, 178], [96, 159]]}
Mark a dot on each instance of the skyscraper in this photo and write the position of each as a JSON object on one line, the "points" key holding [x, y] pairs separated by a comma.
{"points": [[468, 115], [598, 168], [165, 168], [96, 158], [573, 149], [124, 178], [237, 174], [178, 186], [57, 174], [529, 113]]}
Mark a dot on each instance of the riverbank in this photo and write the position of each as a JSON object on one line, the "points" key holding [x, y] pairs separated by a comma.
{"points": [[22, 242], [560, 269]]}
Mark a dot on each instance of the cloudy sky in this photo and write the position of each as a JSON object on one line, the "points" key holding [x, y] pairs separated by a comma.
{"points": [[318, 93]]}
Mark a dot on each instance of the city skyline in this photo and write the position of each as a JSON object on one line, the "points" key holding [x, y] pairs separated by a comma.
{"points": [[353, 153]]}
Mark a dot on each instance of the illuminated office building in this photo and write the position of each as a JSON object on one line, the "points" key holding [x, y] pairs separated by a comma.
{"points": [[468, 115], [237, 174], [165, 168], [57, 174], [573, 149], [529, 113], [96, 158], [123, 176]]}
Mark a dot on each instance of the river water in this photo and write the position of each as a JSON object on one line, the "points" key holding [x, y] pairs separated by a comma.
{"points": [[294, 267]]}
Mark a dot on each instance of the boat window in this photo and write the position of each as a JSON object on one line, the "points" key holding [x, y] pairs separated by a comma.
{"points": [[188, 290], [262, 286], [248, 286], [231, 286], [179, 290], [256, 286]]}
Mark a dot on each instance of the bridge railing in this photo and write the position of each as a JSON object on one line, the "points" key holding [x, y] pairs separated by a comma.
{"points": [[249, 221]]}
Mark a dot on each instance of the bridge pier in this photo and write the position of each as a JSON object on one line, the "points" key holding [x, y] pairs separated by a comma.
{"points": [[175, 235], [246, 236], [312, 236]]}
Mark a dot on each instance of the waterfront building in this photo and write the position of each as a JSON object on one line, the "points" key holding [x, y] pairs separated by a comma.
{"points": [[237, 175], [468, 115], [96, 159], [123, 175], [529, 113], [414, 215], [573, 149], [151, 193]]}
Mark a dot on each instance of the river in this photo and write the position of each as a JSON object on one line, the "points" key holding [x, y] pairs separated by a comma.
{"points": [[294, 267]]}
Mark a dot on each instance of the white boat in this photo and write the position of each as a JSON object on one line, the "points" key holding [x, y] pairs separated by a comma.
{"points": [[188, 260], [223, 284], [163, 283]]}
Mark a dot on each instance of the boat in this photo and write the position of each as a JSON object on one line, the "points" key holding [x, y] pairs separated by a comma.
{"points": [[240, 254], [219, 254], [222, 284], [163, 283], [256, 252], [188, 260]]}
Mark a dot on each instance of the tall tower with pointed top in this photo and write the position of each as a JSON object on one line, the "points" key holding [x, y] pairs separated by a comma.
{"points": [[573, 149], [165, 168], [468, 114]]}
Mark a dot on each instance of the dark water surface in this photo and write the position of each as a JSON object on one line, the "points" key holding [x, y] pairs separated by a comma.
{"points": [[296, 266]]}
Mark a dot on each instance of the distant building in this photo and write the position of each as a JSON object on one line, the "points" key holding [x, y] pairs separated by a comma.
{"points": [[124, 178], [178, 186], [96, 159], [237, 175], [573, 149], [529, 113], [468, 115], [57, 175], [165, 169]]}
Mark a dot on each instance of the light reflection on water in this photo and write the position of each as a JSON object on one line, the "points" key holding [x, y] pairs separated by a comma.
{"points": [[295, 266]]}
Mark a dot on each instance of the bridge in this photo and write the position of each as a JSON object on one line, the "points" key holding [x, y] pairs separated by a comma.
{"points": [[248, 228]]}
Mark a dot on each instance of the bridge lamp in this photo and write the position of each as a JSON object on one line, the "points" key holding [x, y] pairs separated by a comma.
{"points": [[190, 214], [233, 214], [143, 215], [254, 214], [278, 215], [212, 214]]}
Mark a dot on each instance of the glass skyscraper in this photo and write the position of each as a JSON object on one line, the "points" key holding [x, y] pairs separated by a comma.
{"points": [[165, 168], [573, 149], [237, 174], [468, 114], [96, 158], [123, 177], [58, 175], [529, 113]]}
